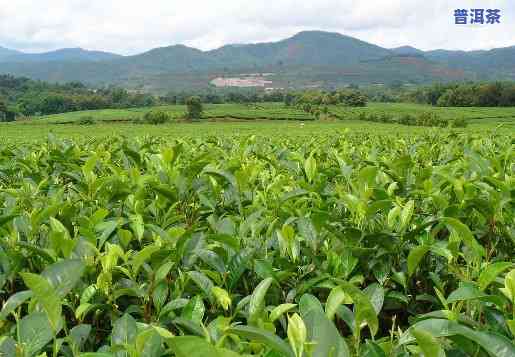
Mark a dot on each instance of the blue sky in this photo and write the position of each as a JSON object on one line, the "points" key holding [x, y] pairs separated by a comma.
{"points": [[134, 26]]}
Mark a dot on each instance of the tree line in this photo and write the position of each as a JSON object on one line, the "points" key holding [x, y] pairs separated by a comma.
{"points": [[349, 97], [317, 102], [220, 96], [497, 94], [25, 97]]}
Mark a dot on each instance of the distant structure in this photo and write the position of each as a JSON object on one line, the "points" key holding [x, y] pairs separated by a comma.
{"points": [[244, 81]]}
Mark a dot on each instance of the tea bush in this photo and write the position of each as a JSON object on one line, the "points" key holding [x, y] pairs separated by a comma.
{"points": [[340, 245]]}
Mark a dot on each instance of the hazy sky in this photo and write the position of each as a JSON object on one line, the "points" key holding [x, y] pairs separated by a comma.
{"points": [[133, 26]]}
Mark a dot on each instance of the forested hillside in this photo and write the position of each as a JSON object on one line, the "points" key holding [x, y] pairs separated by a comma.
{"points": [[310, 58]]}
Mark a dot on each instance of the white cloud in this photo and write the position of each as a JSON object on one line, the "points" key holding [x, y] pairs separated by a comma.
{"points": [[132, 26]]}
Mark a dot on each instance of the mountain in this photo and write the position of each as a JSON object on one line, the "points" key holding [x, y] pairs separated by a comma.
{"points": [[314, 48], [407, 51], [308, 59], [178, 58], [61, 55], [6, 52], [498, 63]]}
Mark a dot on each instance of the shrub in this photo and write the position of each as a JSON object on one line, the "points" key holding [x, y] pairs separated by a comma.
{"points": [[316, 113], [459, 123], [194, 108], [156, 117], [385, 118], [6, 113], [430, 119], [362, 116], [406, 119], [86, 120], [355, 99], [373, 117]]}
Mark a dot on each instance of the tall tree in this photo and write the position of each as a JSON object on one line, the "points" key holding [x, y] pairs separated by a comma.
{"points": [[194, 108]]}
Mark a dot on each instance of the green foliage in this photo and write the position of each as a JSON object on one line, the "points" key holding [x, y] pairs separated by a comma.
{"points": [[380, 112], [353, 98], [86, 120], [335, 244], [7, 113], [460, 122], [316, 102], [427, 119], [30, 97], [194, 108], [498, 94], [155, 117]]}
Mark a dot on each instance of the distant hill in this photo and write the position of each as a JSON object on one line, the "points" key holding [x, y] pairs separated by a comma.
{"points": [[61, 55], [313, 48], [308, 59], [6, 53], [498, 63], [407, 50]]}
